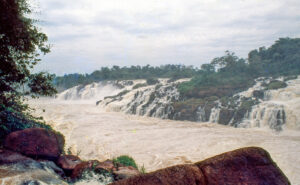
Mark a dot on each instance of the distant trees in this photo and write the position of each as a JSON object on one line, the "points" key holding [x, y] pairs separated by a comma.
{"points": [[126, 73], [282, 58], [228, 74]]}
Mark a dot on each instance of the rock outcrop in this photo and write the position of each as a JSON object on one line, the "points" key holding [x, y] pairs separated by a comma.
{"points": [[83, 167], [36, 143], [28, 154], [68, 163], [247, 166], [10, 157], [125, 172], [31, 172]]}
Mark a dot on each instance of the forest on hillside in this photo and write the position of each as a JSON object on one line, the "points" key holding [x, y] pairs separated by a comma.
{"points": [[224, 75]]}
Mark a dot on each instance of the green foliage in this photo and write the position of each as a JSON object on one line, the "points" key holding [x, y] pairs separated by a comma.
{"points": [[142, 169], [12, 120], [275, 84], [247, 104], [125, 73], [139, 85], [258, 94], [282, 58], [125, 160], [291, 77], [229, 74], [152, 81], [21, 45]]}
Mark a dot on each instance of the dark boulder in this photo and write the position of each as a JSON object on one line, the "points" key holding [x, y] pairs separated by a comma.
{"points": [[179, 175], [68, 163], [107, 165], [80, 168], [250, 165], [125, 172], [37, 143], [246, 166], [9, 157]]}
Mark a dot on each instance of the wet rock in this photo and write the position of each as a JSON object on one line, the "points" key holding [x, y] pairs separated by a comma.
{"points": [[250, 165], [107, 165], [82, 167], [246, 166], [29, 172], [179, 175], [225, 116], [8, 157], [125, 172], [35, 142], [51, 165], [68, 163], [258, 94]]}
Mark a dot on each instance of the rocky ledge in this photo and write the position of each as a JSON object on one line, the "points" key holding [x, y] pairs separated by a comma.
{"points": [[35, 156], [245, 166]]}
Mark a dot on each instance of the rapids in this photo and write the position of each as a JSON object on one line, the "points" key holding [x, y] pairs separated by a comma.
{"points": [[93, 133]]}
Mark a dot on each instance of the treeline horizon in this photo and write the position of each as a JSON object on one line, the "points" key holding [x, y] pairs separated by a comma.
{"points": [[228, 72]]}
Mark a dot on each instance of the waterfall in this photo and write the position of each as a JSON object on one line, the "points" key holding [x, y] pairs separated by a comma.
{"points": [[278, 108], [272, 108], [214, 115]]}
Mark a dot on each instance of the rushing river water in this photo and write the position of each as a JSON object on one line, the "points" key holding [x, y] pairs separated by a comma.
{"points": [[94, 133]]}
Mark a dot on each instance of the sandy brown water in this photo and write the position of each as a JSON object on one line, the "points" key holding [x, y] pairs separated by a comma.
{"points": [[96, 134]]}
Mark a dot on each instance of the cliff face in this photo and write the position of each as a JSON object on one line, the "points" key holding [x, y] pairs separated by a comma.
{"points": [[266, 104]]}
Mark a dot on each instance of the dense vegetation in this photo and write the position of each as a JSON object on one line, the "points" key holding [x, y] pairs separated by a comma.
{"points": [[229, 74], [223, 76], [126, 73], [21, 44], [125, 160]]}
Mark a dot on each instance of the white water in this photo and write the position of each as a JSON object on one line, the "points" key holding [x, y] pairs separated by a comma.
{"points": [[281, 105], [91, 91], [96, 134]]}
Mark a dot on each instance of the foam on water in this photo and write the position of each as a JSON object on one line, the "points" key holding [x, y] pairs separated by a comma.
{"points": [[157, 143]]}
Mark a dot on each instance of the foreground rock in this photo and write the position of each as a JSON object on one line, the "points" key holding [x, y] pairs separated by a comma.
{"points": [[107, 165], [36, 143], [10, 157], [30, 172], [68, 163], [83, 167], [246, 166], [125, 172], [243, 166]]}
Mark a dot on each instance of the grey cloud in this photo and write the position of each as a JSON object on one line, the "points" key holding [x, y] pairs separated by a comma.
{"points": [[191, 32]]}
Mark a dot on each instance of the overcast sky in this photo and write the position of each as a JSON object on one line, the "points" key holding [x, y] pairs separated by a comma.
{"points": [[88, 34]]}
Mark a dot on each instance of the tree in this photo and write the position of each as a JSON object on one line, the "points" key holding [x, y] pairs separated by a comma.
{"points": [[208, 68], [21, 43]]}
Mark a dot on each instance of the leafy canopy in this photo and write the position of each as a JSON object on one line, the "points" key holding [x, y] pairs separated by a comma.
{"points": [[21, 44]]}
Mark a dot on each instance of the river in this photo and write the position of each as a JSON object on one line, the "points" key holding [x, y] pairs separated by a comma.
{"points": [[93, 133]]}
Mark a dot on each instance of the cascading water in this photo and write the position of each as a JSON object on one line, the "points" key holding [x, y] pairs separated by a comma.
{"points": [[214, 115], [279, 107], [91, 91], [272, 108], [151, 100]]}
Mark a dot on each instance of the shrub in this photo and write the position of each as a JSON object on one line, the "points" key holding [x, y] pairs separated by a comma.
{"points": [[290, 78], [258, 94], [275, 84], [125, 160], [12, 120], [139, 85], [152, 81]]}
